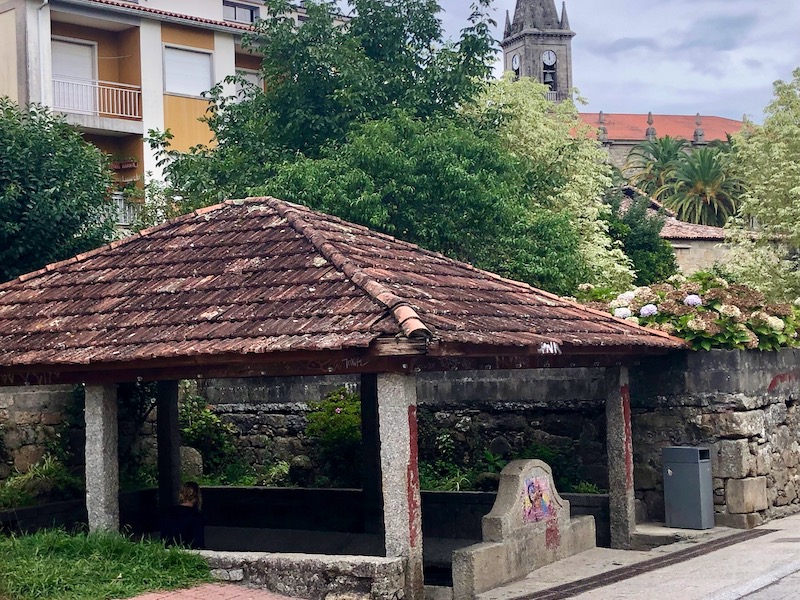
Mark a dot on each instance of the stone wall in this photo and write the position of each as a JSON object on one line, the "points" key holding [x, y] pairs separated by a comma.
{"points": [[741, 405], [35, 420], [501, 411], [30, 417], [697, 255]]}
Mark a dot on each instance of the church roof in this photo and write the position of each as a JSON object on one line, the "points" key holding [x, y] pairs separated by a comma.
{"points": [[633, 127], [533, 15], [252, 281]]}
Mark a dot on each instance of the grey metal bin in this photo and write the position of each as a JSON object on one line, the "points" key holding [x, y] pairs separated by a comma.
{"points": [[688, 490]]}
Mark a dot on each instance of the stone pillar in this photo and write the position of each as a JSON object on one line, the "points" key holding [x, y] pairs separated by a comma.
{"points": [[371, 455], [102, 466], [619, 447], [168, 437], [402, 512]]}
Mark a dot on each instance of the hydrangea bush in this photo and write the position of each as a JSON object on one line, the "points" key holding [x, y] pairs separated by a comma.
{"points": [[708, 312]]}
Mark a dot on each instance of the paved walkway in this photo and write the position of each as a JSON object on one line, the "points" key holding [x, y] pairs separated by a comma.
{"points": [[214, 591], [762, 568]]}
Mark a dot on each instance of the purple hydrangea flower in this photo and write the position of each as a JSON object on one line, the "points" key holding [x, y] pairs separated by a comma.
{"points": [[693, 300], [648, 310]]}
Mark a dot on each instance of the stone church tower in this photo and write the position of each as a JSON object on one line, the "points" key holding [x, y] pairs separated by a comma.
{"points": [[538, 44]]}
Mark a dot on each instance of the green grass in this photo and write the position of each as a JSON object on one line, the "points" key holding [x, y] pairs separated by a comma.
{"points": [[52, 565]]}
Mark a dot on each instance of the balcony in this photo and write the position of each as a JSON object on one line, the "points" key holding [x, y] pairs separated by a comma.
{"points": [[126, 211], [101, 106]]}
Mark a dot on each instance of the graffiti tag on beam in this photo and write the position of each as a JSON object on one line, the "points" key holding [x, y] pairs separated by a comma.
{"points": [[550, 349]]}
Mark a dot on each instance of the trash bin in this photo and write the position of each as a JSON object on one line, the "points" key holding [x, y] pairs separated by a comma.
{"points": [[688, 490]]}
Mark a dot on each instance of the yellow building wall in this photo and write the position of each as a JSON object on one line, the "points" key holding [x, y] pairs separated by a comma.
{"points": [[9, 85], [182, 114], [187, 36], [248, 61], [122, 147]]}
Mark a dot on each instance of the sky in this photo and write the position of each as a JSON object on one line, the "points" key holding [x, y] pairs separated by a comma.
{"points": [[715, 57]]}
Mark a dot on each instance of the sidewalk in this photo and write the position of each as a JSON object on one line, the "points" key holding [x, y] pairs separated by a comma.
{"points": [[727, 573], [214, 591]]}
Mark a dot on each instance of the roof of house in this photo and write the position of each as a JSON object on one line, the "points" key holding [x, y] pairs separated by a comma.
{"points": [[130, 6], [674, 229], [633, 127], [261, 276]]}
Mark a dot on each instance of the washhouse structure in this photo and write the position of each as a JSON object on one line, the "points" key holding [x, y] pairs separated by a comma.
{"points": [[261, 287]]}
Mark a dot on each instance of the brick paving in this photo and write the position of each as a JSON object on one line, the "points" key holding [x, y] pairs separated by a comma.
{"points": [[214, 591]]}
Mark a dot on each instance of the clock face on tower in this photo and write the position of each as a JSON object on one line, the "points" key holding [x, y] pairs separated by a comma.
{"points": [[515, 62], [549, 58]]}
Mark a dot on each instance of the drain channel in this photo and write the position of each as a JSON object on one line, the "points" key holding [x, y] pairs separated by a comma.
{"points": [[568, 590]]}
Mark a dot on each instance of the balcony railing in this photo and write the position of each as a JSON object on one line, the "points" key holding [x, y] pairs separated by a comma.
{"points": [[97, 98], [556, 96], [126, 211]]}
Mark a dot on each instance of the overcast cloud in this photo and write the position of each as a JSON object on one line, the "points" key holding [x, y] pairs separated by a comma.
{"points": [[715, 57]]}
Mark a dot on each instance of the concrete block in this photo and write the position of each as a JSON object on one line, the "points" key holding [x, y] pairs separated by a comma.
{"points": [[731, 458], [746, 495], [748, 521]]}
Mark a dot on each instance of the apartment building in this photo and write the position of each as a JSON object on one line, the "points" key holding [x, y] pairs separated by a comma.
{"points": [[118, 68]]}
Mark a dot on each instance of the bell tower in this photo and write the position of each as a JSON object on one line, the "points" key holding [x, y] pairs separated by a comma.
{"points": [[538, 44]]}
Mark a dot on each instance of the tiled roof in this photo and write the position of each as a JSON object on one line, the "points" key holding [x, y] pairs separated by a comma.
{"points": [[673, 228], [164, 13], [263, 276], [633, 128]]}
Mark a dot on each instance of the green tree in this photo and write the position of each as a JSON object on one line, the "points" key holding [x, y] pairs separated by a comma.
{"points": [[652, 164], [639, 234], [441, 184], [325, 78], [767, 230], [703, 190], [568, 173], [53, 191]]}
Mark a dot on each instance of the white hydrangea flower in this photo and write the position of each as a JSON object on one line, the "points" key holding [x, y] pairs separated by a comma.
{"points": [[623, 312], [775, 323], [634, 320], [729, 310], [696, 324]]}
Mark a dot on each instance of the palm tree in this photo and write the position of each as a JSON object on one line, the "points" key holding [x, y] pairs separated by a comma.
{"points": [[702, 190], [652, 164]]}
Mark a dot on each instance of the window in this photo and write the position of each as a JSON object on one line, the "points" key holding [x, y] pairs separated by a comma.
{"points": [[250, 76], [187, 72], [240, 13]]}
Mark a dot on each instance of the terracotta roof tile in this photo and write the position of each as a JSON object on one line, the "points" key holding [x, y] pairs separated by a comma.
{"points": [[673, 228], [165, 13], [633, 127], [263, 276]]}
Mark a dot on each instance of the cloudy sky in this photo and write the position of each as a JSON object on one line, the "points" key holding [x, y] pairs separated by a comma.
{"points": [[716, 57]]}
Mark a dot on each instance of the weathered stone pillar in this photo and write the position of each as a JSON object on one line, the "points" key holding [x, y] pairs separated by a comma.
{"points": [[619, 446], [371, 455], [168, 437], [102, 466], [402, 512]]}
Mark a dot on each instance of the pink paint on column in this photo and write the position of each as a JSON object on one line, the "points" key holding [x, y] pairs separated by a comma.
{"points": [[625, 396], [412, 478]]}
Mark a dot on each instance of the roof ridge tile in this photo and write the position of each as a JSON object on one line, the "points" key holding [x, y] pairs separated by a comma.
{"points": [[401, 309]]}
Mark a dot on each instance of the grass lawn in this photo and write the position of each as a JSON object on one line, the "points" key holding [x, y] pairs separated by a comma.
{"points": [[52, 565]]}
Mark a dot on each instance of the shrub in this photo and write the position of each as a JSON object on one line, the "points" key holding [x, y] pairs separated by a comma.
{"points": [[334, 425], [46, 481], [708, 312], [211, 436]]}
